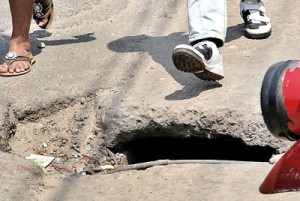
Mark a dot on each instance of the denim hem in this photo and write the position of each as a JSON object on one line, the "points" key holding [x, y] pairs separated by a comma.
{"points": [[219, 38]]}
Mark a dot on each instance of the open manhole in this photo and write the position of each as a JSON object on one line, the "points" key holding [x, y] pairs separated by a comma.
{"points": [[151, 149]]}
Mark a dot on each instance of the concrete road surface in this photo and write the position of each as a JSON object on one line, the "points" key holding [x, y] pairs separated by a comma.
{"points": [[118, 54]]}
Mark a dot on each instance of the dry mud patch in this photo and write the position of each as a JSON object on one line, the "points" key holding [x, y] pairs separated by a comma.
{"points": [[69, 135]]}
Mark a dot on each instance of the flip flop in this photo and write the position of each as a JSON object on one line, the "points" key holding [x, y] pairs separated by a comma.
{"points": [[11, 58], [39, 11]]}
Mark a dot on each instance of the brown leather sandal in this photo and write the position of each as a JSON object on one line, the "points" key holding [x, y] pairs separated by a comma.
{"points": [[11, 58]]}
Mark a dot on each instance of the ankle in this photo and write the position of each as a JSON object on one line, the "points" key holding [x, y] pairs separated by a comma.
{"points": [[19, 46], [21, 40]]}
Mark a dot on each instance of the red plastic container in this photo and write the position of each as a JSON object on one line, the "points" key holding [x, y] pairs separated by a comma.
{"points": [[280, 99]]}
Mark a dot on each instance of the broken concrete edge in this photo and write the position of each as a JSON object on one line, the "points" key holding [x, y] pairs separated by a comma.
{"points": [[130, 122], [8, 126]]}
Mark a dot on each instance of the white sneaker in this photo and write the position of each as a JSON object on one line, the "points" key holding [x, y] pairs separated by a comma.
{"points": [[203, 59], [257, 24]]}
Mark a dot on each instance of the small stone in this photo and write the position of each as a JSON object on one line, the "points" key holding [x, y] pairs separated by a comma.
{"points": [[74, 154], [124, 160], [91, 137], [100, 142], [96, 130], [45, 145], [79, 169], [75, 131], [275, 158], [41, 45], [64, 141], [93, 143]]}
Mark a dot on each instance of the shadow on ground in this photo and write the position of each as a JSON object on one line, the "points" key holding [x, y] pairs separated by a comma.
{"points": [[234, 32], [37, 36], [160, 49]]}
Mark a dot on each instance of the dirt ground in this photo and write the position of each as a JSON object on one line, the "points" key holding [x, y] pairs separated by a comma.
{"points": [[106, 78]]}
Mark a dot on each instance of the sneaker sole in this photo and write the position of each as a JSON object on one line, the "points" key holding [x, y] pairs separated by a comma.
{"points": [[257, 36], [208, 76], [187, 61]]}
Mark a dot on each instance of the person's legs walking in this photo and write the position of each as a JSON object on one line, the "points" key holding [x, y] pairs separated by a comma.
{"points": [[21, 11], [257, 24], [207, 19], [207, 31]]}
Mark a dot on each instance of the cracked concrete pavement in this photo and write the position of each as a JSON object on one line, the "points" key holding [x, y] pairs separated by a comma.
{"points": [[120, 51]]}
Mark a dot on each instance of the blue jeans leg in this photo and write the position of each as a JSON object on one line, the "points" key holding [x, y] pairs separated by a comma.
{"points": [[207, 19]]}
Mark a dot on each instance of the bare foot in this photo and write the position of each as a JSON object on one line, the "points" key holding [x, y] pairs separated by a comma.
{"points": [[20, 49]]}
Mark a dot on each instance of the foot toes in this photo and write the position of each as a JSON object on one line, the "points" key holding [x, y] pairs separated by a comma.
{"points": [[3, 69], [11, 70], [14, 68]]}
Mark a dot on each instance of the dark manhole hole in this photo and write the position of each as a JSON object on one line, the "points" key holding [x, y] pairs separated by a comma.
{"points": [[151, 149]]}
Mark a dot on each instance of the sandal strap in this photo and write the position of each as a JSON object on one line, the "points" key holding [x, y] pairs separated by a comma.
{"points": [[256, 17], [39, 9], [10, 61]]}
